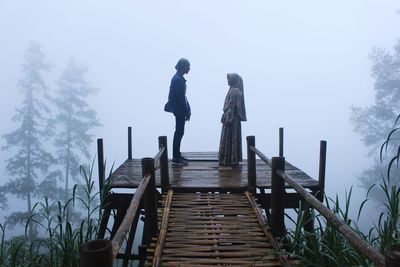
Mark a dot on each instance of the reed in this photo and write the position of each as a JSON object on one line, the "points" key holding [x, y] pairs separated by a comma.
{"points": [[60, 234], [327, 247]]}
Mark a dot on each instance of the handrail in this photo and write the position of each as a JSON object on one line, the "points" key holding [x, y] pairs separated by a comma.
{"points": [[278, 191], [158, 156], [146, 192], [261, 155], [134, 205], [367, 249], [130, 215]]}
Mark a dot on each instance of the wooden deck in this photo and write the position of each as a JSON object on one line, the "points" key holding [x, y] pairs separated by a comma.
{"points": [[204, 174]]}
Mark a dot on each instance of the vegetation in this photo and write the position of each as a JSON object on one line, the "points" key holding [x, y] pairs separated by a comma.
{"points": [[59, 238], [30, 161], [327, 247], [74, 120], [373, 123], [31, 165]]}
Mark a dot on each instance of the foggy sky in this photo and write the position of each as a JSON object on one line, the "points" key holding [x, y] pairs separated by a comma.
{"points": [[304, 63]]}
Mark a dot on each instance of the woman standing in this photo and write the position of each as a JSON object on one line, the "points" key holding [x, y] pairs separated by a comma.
{"points": [[230, 146]]}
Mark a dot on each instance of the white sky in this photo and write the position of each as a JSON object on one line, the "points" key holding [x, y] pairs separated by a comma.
{"points": [[304, 63]]}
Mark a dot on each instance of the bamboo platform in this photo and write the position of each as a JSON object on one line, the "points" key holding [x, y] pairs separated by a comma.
{"points": [[204, 174], [214, 229]]}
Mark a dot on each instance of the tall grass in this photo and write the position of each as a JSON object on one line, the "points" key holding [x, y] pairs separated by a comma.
{"points": [[61, 233], [327, 247]]}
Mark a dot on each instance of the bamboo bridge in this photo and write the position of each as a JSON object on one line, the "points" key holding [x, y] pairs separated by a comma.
{"points": [[207, 215]]}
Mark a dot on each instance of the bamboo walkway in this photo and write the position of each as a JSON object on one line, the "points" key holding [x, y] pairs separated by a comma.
{"points": [[214, 229]]}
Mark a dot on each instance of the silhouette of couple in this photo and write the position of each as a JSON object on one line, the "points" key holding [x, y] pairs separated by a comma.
{"points": [[234, 112]]}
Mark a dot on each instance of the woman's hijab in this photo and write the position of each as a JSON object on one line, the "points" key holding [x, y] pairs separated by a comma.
{"points": [[236, 81]]}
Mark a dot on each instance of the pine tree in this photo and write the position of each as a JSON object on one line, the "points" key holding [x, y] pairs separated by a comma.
{"points": [[3, 198], [373, 123], [74, 120], [30, 161]]}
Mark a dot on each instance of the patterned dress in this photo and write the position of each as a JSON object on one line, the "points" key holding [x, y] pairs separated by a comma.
{"points": [[230, 146]]}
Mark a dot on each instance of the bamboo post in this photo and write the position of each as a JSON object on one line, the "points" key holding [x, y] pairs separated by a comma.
{"points": [[392, 257], [96, 253], [129, 142], [100, 163], [150, 202], [251, 164], [164, 172], [322, 168], [280, 142], [277, 197]]}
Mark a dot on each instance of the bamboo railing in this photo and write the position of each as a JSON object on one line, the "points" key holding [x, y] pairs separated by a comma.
{"points": [[278, 179], [101, 252]]}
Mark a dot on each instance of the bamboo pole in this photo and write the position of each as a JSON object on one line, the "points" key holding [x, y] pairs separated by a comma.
{"points": [[157, 158], [130, 215], [163, 231], [262, 156], [366, 248], [283, 258]]}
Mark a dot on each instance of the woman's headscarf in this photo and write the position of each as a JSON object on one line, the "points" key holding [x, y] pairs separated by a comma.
{"points": [[235, 80]]}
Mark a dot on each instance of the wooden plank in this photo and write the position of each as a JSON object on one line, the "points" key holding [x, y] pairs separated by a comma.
{"points": [[207, 174]]}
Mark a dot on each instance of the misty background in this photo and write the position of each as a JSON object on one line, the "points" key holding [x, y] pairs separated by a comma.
{"points": [[304, 64]]}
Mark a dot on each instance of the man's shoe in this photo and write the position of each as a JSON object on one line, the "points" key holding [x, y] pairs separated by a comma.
{"points": [[184, 159], [179, 162]]}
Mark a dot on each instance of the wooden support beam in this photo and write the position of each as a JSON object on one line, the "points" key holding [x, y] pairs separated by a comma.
{"points": [[129, 243], [251, 164], [150, 202], [277, 197], [97, 253], [129, 142], [164, 170], [100, 164], [322, 168], [281, 142]]}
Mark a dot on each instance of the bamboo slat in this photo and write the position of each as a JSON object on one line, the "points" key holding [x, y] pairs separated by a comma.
{"points": [[213, 229]]}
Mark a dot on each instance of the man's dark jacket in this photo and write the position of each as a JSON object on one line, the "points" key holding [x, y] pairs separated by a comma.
{"points": [[177, 102]]}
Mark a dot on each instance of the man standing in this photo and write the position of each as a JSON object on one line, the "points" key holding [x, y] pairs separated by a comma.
{"points": [[179, 106]]}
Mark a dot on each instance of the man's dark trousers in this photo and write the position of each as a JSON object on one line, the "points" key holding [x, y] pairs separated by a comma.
{"points": [[179, 131]]}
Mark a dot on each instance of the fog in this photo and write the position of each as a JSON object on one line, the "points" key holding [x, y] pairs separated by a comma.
{"points": [[304, 63]]}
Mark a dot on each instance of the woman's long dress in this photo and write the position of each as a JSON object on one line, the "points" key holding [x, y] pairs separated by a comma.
{"points": [[230, 146]]}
